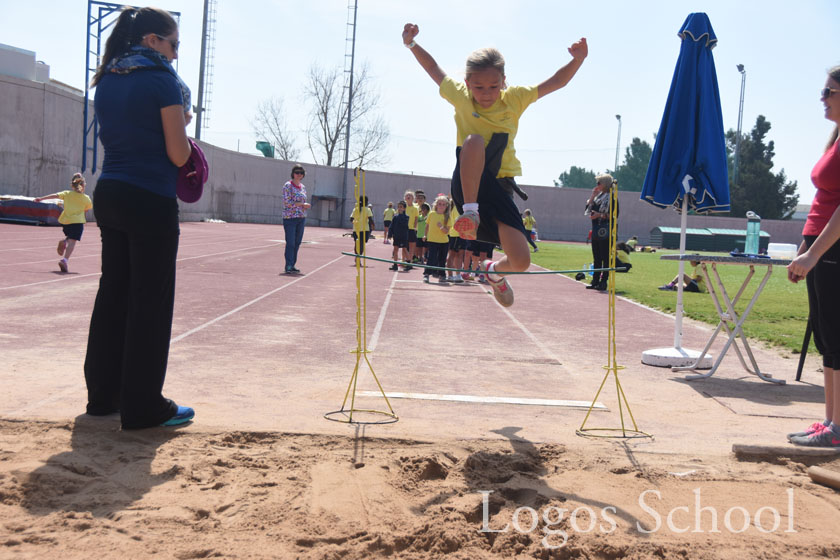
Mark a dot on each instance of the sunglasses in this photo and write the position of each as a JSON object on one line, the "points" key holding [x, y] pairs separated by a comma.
{"points": [[173, 43], [825, 93], [299, 173]]}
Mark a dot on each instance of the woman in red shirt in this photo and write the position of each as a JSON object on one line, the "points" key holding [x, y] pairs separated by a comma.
{"points": [[818, 262]]}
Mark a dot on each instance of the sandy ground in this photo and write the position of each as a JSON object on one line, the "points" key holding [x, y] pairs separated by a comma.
{"points": [[261, 474], [82, 489]]}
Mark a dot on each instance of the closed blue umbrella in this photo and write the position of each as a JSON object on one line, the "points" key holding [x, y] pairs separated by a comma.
{"points": [[691, 141], [688, 166]]}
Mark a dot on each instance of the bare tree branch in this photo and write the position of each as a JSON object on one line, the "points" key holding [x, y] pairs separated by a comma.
{"points": [[270, 123], [327, 129]]}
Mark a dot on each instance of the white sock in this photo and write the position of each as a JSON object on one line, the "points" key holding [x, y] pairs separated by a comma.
{"points": [[470, 206], [491, 273]]}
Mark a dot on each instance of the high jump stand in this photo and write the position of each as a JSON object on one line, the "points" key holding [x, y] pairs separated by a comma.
{"points": [[346, 414], [612, 366]]}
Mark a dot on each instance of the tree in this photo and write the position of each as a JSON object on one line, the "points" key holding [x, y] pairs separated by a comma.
{"points": [[270, 124], [576, 178], [327, 128], [767, 194], [631, 175]]}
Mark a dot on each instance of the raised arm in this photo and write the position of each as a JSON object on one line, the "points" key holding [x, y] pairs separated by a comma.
{"points": [[428, 63], [579, 51], [48, 197]]}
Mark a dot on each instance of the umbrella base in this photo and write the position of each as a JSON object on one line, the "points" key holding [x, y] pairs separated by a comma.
{"points": [[676, 357]]}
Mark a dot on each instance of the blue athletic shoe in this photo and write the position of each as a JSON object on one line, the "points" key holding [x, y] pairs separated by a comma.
{"points": [[184, 415]]}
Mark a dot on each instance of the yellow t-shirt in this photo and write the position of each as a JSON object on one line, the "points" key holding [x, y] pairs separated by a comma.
{"points": [[503, 116], [412, 212], [365, 225], [389, 214], [698, 277], [433, 233], [75, 206], [453, 215], [529, 222]]}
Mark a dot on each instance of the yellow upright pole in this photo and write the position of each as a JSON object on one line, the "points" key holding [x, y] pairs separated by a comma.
{"points": [[345, 414], [612, 367]]}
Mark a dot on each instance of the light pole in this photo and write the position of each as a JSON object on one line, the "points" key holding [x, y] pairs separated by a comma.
{"points": [[617, 143], [740, 118]]}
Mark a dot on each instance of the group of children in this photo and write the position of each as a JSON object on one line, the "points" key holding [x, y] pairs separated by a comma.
{"points": [[424, 234]]}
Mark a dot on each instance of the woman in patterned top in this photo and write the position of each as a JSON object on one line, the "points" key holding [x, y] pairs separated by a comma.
{"points": [[294, 216]]}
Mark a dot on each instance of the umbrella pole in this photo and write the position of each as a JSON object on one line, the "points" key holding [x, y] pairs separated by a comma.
{"points": [[680, 281]]}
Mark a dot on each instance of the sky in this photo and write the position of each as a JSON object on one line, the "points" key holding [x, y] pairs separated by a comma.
{"points": [[264, 49]]}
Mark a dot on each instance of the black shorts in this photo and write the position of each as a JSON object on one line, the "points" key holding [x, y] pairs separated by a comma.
{"points": [[401, 243], [387, 223], [412, 236], [73, 231], [495, 195], [420, 242], [479, 247], [457, 244], [692, 287]]}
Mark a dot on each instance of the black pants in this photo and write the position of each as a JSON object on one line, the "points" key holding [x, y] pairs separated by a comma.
{"points": [[600, 259], [128, 343], [824, 303], [437, 257]]}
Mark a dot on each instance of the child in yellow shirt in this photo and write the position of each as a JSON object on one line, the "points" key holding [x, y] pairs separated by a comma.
{"points": [[72, 218]]}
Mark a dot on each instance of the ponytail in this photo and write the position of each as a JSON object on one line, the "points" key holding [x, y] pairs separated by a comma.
{"points": [[78, 182], [132, 25]]}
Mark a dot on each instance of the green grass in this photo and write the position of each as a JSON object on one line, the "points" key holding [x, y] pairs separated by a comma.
{"points": [[778, 317]]}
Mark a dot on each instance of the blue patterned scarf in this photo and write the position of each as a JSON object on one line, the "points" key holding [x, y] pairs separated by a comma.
{"points": [[144, 58]]}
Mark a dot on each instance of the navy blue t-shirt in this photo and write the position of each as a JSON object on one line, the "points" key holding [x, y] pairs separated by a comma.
{"points": [[130, 128]]}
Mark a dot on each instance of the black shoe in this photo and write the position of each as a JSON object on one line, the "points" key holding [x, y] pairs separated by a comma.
{"points": [[293, 270], [394, 267], [601, 288], [592, 287]]}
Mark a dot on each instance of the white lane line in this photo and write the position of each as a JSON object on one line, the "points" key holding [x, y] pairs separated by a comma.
{"points": [[250, 303], [378, 328], [76, 277], [545, 349], [485, 400]]}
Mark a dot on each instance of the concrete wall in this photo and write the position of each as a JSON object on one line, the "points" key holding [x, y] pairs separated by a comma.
{"points": [[41, 144]]}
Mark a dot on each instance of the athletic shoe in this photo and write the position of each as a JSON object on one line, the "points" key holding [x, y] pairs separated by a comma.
{"points": [[592, 287], [668, 287], [386, 242], [825, 438], [394, 267], [184, 415], [813, 428], [456, 278], [426, 279], [408, 267], [536, 249], [294, 270], [501, 289], [467, 225], [482, 279], [62, 264], [465, 276], [61, 246]]}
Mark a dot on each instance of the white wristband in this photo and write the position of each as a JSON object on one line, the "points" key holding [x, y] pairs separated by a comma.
{"points": [[411, 45]]}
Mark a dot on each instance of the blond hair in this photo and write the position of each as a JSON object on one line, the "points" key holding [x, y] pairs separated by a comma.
{"points": [[482, 59], [445, 212], [604, 178]]}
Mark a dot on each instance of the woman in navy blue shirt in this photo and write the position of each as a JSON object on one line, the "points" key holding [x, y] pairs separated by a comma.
{"points": [[142, 107]]}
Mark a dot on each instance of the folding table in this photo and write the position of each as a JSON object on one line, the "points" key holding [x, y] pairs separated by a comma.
{"points": [[730, 321]]}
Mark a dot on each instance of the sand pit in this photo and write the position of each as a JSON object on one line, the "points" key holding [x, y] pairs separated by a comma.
{"points": [[82, 489]]}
